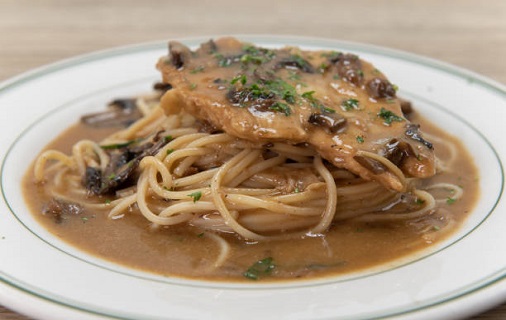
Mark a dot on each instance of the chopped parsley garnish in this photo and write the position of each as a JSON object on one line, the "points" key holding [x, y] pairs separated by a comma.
{"points": [[169, 151], [300, 62], [256, 51], [315, 103], [350, 104], [267, 89], [388, 116], [240, 78], [196, 196], [247, 58], [293, 75], [193, 86], [281, 107], [197, 69], [168, 138], [308, 95], [450, 200], [332, 55], [360, 139], [282, 89], [223, 61], [260, 268], [323, 67]]}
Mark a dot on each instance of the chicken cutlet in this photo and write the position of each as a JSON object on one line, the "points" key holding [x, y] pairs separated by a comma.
{"points": [[339, 104]]}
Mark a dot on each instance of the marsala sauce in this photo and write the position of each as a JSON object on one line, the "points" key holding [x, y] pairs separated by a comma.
{"points": [[187, 252]]}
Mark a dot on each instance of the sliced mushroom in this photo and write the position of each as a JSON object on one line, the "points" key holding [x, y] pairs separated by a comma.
{"points": [[122, 165], [412, 131], [333, 122], [380, 88], [370, 164], [397, 151], [58, 208], [119, 113], [349, 68], [295, 62], [179, 53]]}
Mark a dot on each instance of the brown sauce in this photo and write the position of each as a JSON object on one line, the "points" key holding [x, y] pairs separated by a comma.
{"points": [[186, 252]]}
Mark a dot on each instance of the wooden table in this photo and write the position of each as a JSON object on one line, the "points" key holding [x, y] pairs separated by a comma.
{"points": [[467, 33]]}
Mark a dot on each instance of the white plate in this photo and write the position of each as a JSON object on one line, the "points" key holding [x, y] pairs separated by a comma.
{"points": [[43, 277]]}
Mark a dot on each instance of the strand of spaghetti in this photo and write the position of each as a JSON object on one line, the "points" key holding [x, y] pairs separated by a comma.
{"points": [[313, 191], [147, 103], [213, 222], [224, 249], [142, 188], [178, 143], [271, 205], [250, 191], [211, 139], [122, 206], [133, 130], [220, 204], [369, 205], [157, 167], [256, 168], [330, 209], [392, 168], [40, 164], [200, 177], [186, 163], [425, 197], [201, 206], [78, 201], [455, 192], [234, 171], [60, 178], [78, 152], [173, 195], [183, 153]]}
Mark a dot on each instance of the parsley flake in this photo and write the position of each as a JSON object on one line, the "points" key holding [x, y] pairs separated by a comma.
{"points": [[196, 196], [450, 200], [388, 116], [350, 104], [260, 268], [281, 107]]}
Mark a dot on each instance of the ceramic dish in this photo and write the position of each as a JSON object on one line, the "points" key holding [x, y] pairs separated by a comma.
{"points": [[46, 278]]}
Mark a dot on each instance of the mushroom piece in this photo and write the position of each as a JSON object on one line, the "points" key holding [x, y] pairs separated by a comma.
{"points": [[124, 160], [333, 122], [380, 88], [179, 54], [349, 68], [119, 113], [295, 62]]}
